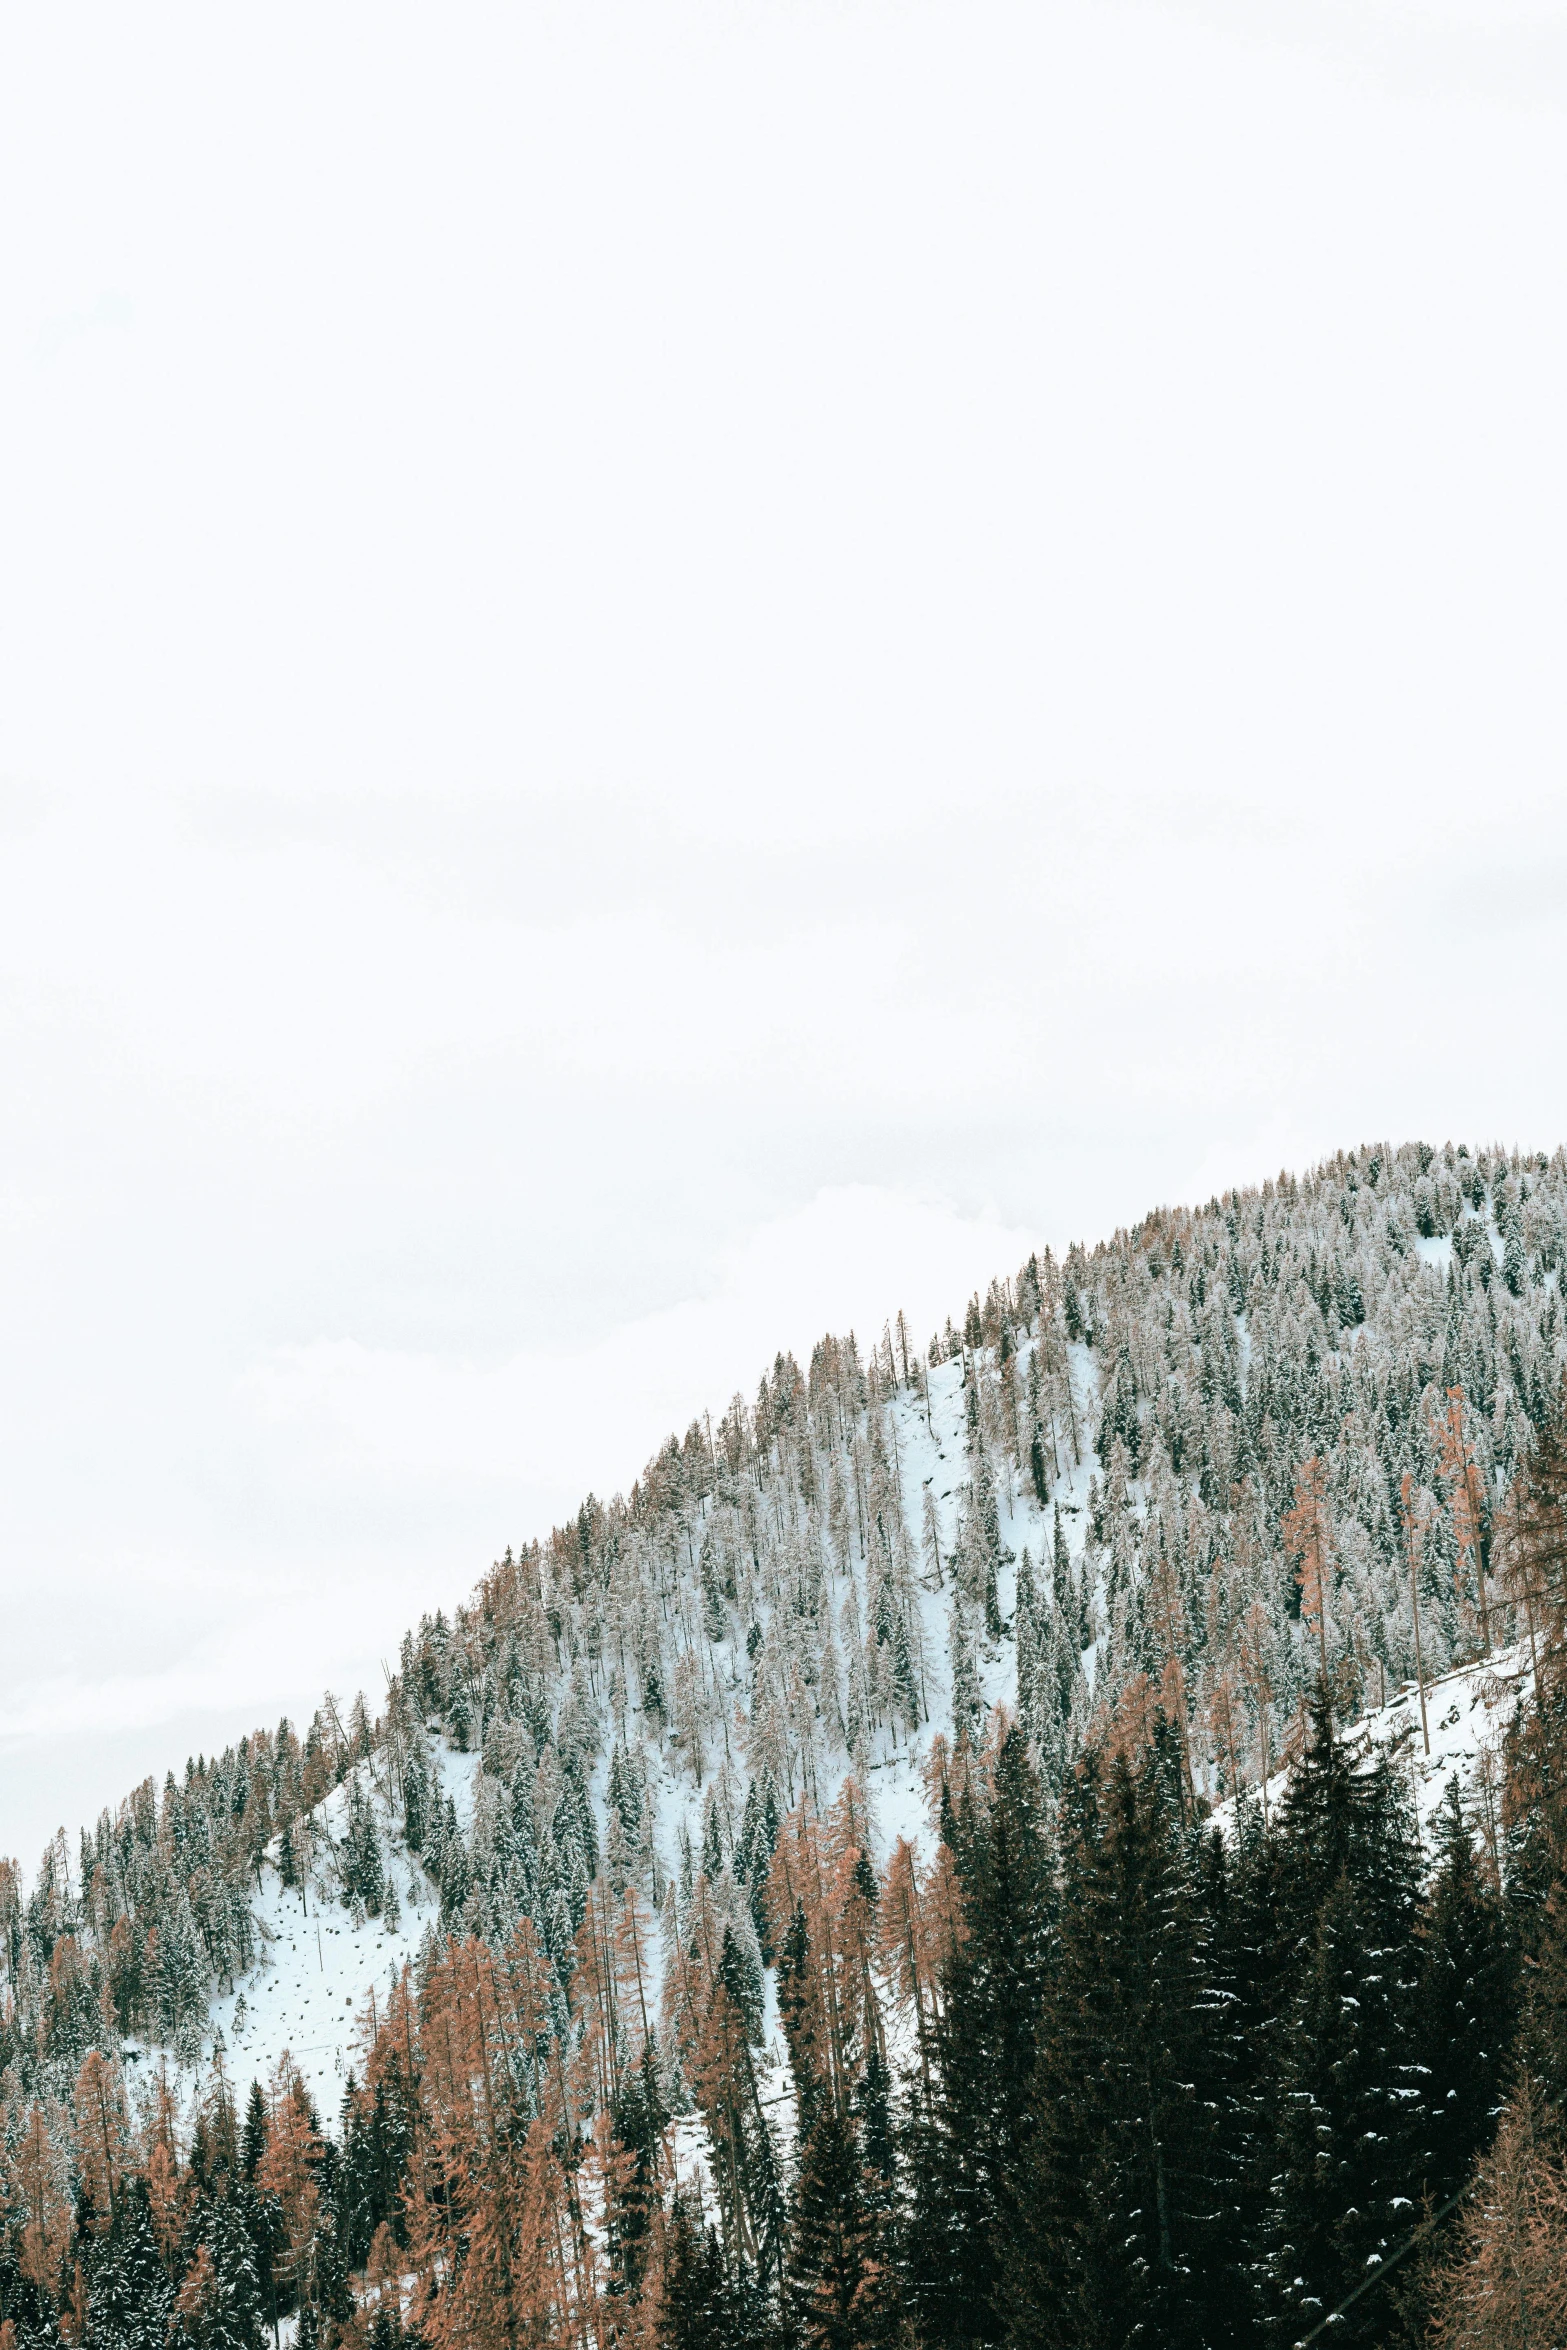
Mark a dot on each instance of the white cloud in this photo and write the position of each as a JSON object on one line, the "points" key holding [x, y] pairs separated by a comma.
{"points": [[558, 1422], [669, 669]]}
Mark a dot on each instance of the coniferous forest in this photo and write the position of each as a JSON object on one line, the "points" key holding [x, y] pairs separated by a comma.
{"points": [[1053, 1834]]}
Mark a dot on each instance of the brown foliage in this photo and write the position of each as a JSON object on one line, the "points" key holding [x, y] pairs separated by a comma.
{"points": [[101, 2136], [495, 2224], [1306, 1541], [1507, 2290], [1533, 1545], [1462, 1479], [288, 2167]]}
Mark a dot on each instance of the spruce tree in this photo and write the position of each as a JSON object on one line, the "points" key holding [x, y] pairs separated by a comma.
{"points": [[1247, 1986], [639, 2117], [967, 2149], [1467, 2009], [131, 2296], [1112, 2222], [235, 2314], [376, 2145], [253, 2138], [364, 1872], [840, 2293], [1536, 1810], [797, 2013], [701, 2307], [1351, 2158]]}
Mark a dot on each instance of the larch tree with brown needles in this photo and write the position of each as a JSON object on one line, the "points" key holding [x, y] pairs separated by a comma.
{"points": [[1306, 1542]]}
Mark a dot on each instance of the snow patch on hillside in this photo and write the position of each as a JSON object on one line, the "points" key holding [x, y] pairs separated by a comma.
{"points": [[324, 1968], [1467, 1716]]}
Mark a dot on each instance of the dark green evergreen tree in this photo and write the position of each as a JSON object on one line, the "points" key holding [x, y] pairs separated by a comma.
{"points": [[1352, 2161], [796, 2011], [640, 2115], [130, 2296], [841, 2294], [363, 1866], [1246, 1989], [1115, 2230], [377, 2140], [702, 2307], [253, 2137], [967, 2149], [1468, 2004], [232, 2319], [1537, 1835], [878, 2136]]}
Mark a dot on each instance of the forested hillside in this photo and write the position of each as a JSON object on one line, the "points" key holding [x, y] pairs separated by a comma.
{"points": [[905, 1871]]}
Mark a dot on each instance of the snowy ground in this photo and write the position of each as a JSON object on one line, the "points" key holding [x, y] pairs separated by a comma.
{"points": [[934, 1456], [323, 1973], [322, 1976], [1467, 1713]]}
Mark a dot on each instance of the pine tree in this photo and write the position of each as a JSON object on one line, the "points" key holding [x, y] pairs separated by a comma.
{"points": [[640, 2117], [839, 2291], [1352, 2159], [702, 2308], [131, 2296], [966, 2152], [1113, 2222], [1468, 2003]]}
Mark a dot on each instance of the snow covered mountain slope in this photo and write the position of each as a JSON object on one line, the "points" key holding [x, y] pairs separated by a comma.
{"points": [[1467, 1715], [1075, 1501], [324, 1965], [326, 1968]]}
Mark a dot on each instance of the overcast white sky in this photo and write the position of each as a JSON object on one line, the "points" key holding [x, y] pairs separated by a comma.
{"points": [[674, 674]]}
